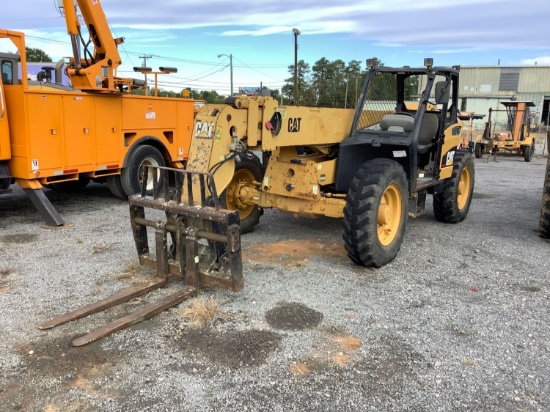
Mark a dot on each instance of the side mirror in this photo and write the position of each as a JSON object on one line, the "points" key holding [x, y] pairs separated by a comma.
{"points": [[442, 92]]}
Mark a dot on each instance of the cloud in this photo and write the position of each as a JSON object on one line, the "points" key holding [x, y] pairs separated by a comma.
{"points": [[483, 23], [541, 61], [471, 29]]}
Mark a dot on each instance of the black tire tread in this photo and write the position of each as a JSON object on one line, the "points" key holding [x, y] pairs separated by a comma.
{"points": [[544, 222], [478, 150], [115, 187], [528, 153], [361, 211], [445, 202], [129, 177]]}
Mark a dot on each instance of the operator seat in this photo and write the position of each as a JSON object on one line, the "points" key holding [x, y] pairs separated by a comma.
{"points": [[428, 131], [404, 124], [397, 123]]}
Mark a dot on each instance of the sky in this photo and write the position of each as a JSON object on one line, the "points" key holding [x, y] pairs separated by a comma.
{"points": [[258, 35]]}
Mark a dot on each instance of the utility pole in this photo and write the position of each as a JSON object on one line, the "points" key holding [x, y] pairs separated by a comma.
{"points": [[145, 57], [230, 68], [231, 71], [296, 33]]}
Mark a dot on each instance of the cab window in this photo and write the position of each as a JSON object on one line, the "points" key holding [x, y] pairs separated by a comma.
{"points": [[7, 72]]}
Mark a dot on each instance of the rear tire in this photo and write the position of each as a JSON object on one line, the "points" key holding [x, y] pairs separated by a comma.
{"points": [[5, 183], [451, 205], [544, 222], [130, 177], [528, 153], [115, 186], [375, 215], [246, 172], [478, 150]]}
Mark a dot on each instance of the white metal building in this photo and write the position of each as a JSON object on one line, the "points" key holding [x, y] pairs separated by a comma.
{"points": [[483, 87]]}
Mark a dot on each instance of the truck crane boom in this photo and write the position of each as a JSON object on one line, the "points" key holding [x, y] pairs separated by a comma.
{"points": [[93, 71]]}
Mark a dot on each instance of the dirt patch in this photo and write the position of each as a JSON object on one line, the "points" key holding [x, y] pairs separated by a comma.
{"points": [[390, 360], [293, 253], [332, 348], [235, 349], [293, 316], [19, 238], [57, 364], [5, 279]]}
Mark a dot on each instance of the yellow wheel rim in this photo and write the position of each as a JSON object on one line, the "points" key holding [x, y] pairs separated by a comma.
{"points": [[464, 185], [389, 215], [233, 198]]}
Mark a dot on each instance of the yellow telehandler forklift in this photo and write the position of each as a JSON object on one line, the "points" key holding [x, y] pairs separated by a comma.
{"points": [[372, 167]]}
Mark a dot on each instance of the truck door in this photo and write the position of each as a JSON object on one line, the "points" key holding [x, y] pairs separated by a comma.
{"points": [[5, 150]]}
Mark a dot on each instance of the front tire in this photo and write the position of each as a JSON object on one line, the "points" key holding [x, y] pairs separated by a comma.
{"points": [[249, 170], [451, 205], [478, 150], [375, 214], [130, 177], [528, 153], [544, 222]]}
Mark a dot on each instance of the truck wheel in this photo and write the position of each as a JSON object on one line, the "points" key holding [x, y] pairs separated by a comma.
{"points": [[130, 178], [478, 151], [72, 185], [376, 213], [451, 205], [5, 183], [544, 222], [246, 172], [115, 186], [528, 153]]}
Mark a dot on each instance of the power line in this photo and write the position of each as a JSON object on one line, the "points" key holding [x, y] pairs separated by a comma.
{"points": [[246, 65], [171, 58], [194, 80]]}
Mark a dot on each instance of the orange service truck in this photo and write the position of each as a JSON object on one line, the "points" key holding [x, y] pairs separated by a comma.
{"points": [[62, 137]]}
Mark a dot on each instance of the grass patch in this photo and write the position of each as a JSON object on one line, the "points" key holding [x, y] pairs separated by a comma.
{"points": [[101, 248], [200, 311]]}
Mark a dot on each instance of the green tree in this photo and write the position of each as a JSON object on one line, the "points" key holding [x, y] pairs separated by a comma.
{"points": [[383, 85], [304, 95], [36, 55], [355, 79], [329, 82], [411, 87]]}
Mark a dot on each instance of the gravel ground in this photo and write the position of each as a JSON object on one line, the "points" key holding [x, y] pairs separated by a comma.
{"points": [[459, 321]]}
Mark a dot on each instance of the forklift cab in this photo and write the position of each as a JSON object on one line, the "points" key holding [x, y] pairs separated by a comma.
{"points": [[408, 115]]}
